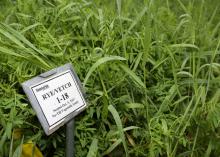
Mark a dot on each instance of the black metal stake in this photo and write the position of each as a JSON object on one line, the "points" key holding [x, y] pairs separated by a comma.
{"points": [[70, 150]]}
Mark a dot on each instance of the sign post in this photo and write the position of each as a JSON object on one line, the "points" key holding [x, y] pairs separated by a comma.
{"points": [[57, 97], [70, 151]]}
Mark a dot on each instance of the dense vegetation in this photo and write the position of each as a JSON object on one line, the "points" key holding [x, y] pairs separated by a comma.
{"points": [[150, 69]]}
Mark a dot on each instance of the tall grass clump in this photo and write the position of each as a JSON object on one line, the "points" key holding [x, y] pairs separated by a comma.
{"points": [[150, 69]]}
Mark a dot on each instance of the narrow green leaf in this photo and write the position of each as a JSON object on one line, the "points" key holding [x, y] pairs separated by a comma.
{"points": [[17, 37], [183, 45], [119, 6], [100, 62], [31, 27], [185, 73], [18, 150], [125, 129], [209, 149], [132, 75], [112, 147], [93, 148], [119, 126], [10, 52], [134, 105], [139, 16], [11, 37]]}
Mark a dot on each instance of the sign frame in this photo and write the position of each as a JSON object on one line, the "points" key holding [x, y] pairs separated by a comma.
{"points": [[45, 77]]}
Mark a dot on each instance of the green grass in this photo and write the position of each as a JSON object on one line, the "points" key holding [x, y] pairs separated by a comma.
{"points": [[150, 69]]}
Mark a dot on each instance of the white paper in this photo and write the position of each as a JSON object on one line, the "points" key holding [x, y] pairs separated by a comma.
{"points": [[58, 97]]}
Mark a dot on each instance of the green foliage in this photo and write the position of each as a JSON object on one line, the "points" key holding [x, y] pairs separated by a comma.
{"points": [[150, 69]]}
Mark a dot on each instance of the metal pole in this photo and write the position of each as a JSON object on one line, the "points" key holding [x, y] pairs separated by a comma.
{"points": [[70, 138]]}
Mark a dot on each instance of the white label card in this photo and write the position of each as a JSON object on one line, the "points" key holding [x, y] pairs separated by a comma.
{"points": [[58, 97]]}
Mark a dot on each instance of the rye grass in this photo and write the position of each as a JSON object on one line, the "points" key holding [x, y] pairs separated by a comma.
{"points": [[150, 68]]}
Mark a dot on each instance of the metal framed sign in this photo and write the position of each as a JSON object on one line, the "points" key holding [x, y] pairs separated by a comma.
{"points": [[56, 96]]}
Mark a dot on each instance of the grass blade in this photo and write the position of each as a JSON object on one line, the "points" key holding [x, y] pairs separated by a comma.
{"points": [[132, 75], [93, 148], [100, 62], [134, 105], [119, 6], [183, 45], [112, 147], [119, 126], [18, 38], [18, 150]]}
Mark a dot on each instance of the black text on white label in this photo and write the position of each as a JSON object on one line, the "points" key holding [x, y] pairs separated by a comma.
{"points": [[58, 97]]}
